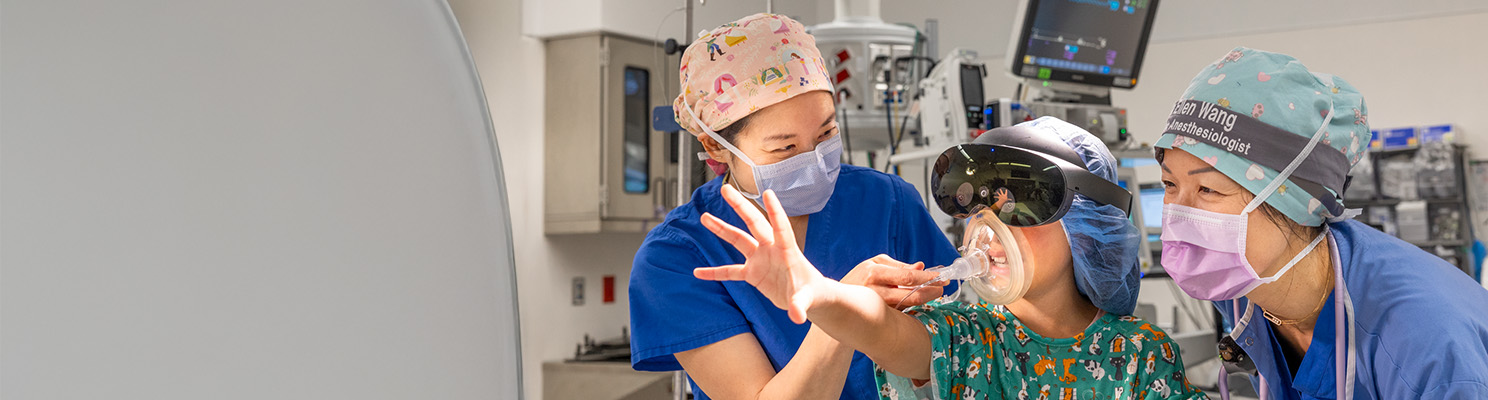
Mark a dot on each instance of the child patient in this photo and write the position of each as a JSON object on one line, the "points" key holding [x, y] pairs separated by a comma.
{"points": [[1060, 331]]}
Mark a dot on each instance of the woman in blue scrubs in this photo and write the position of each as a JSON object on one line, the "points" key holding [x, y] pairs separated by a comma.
{"points": [[1255, 160], [757, 95]]}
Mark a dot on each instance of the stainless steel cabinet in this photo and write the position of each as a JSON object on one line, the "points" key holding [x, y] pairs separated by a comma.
{"points": [[605, 169]]}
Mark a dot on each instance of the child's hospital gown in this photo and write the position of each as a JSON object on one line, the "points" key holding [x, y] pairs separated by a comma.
{"points": [[980, 351]]}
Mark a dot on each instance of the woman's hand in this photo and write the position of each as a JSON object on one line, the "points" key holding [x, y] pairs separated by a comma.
{"points": [[852, 314], [894, 281], [773, 262]]}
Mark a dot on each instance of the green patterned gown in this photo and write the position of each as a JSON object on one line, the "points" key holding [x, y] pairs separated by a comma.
{"points": [[981, 351]]}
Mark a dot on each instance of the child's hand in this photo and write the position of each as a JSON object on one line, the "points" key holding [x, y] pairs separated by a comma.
{"points": [[773, 264]]}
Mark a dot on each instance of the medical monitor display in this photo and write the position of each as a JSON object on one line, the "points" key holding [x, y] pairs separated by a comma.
{"points": [[1094, 42], [1152, 205]]}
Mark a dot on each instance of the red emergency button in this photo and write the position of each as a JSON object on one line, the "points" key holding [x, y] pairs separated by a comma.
{"points": [[842, 76]]}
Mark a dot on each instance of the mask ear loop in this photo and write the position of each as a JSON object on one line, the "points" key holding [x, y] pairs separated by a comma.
{"points": [[1280, 179], [715, 136], [1296, 162]]}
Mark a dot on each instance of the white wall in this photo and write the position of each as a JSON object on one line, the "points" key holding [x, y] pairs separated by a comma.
{"points": [[511, 68], [982, 26], [1410, 71], [643, 18], [546, 18], [1190, 20]]}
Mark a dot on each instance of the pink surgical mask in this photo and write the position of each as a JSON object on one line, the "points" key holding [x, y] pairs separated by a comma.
{"points": [[1204, 251]]}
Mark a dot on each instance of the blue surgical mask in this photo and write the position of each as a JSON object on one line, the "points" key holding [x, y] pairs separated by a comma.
{"points": [[803, 183]]}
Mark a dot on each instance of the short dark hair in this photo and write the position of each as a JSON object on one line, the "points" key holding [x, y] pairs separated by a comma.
{"points": [[732, 131]]}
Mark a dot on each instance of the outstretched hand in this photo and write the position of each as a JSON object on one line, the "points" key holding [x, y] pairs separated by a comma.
{"points": [[773, 262]]}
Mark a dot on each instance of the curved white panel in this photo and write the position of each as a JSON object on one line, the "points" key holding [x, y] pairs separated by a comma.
{"points": [[272, 199]]}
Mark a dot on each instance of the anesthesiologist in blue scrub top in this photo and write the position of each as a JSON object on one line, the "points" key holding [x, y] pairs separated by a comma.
{"points": [[755, 92], [1255, 160]]}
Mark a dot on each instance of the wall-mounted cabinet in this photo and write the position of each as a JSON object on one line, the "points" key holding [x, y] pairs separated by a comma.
{"points": [[605, 169]]}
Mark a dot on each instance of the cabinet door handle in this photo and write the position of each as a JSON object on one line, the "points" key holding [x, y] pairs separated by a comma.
{"points": [[673, 184], [658, 196]]}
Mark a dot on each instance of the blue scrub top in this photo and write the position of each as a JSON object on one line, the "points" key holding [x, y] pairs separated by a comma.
{"points": [[870, 213], [1422, 326]]}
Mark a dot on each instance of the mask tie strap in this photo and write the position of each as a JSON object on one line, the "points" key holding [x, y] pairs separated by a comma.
{"points": [[725, 145], [715, 135], [1296, 162]]}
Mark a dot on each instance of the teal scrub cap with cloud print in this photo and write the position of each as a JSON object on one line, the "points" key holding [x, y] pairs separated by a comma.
{"points": [[1251, 112]]}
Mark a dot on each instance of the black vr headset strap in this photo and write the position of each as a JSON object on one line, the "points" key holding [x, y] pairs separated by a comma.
{"points": [[1082, 181]]}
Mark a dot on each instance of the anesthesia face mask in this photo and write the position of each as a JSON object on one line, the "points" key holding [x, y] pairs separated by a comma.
{"points": [[991, 264]]}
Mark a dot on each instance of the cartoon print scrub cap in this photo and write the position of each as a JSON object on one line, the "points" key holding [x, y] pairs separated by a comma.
{"points": [[743, 66], [1250, 113]]}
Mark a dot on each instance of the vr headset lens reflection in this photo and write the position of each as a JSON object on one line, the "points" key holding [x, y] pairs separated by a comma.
{"points": [[1022, 187]]}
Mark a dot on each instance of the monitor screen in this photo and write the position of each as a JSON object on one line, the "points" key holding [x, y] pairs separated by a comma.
{"points": [[1152, 205], [1094, 42], [971, 88]]}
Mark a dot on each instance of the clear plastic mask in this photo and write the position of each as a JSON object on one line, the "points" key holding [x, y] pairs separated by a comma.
{"points": [[990, 263]]}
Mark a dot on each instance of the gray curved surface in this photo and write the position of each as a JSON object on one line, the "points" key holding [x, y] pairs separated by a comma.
{"points": [[246, 200]]}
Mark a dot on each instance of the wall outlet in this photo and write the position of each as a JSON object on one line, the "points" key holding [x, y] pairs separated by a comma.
{"points": [[609, 289], [578, 291]]}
